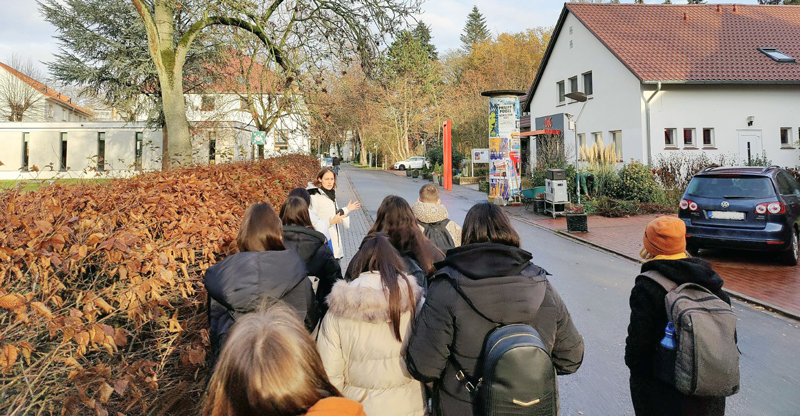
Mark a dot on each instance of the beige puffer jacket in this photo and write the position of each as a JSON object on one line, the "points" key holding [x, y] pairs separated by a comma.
{"points": [[429, 212], [361, 356]]}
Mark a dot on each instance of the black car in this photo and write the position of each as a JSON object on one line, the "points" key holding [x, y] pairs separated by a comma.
{"points": [[750, 208]]}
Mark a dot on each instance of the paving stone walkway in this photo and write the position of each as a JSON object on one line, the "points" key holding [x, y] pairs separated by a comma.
{"points": [[360, 221]]}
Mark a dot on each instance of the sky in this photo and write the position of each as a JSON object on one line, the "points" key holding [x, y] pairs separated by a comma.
{"points": [[23, 31]]}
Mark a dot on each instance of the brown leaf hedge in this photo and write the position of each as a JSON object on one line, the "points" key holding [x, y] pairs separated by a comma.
{"points": [[102, 306]]}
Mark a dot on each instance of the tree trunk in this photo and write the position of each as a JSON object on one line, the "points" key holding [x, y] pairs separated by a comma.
{"points": [[362, 150], [179, 145]]}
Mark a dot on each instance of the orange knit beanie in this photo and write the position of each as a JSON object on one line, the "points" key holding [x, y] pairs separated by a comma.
{"points": [[665, 236]]}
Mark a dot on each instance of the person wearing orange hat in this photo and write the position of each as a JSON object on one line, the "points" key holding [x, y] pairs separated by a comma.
{"points": [[664, 251]]}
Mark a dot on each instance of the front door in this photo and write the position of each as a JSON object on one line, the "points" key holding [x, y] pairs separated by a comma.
{"points": [[750, 145]]}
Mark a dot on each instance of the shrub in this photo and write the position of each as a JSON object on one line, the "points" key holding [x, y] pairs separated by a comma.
{"points": [[609, 207], [102, 306], [637, 183]]}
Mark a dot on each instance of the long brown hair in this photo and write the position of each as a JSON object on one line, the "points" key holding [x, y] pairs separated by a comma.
{"points": [[320, 174], [485, 223], [260, 230], [396, 219], [376, 254], [295, 212], [268, 366]]}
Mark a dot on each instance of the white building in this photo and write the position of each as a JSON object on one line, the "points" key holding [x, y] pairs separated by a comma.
{"points": [[49, 104], [721, 79]]}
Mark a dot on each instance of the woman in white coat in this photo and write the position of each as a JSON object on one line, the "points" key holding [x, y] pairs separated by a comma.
{"points": [[362, 338], [323, 204]]}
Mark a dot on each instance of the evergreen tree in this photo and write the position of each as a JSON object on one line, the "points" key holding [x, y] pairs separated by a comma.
{"points": [[475, 30], [423, 34]]}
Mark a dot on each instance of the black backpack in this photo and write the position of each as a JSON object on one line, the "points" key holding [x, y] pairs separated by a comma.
{"points": [[438, 234], [517, 374]]}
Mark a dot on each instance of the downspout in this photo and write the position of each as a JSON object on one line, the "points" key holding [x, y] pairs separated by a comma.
{"points": [[647, 123]]}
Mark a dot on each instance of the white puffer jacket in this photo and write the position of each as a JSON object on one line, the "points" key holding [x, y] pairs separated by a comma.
{"points": [[326, 209], [361, 356]]}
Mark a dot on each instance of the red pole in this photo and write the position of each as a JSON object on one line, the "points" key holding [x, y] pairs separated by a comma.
{"points": [[448, 155]]}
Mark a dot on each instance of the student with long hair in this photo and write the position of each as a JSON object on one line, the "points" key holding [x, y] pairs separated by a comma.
{"points": [[496, 277], [270, 366], [319, 224], [324, 205], [262, 268], [361, 338], [395, 219], [299, 235]]}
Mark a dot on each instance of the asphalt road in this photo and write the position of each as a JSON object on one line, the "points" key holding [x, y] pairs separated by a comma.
{"points": [[595, 286]]}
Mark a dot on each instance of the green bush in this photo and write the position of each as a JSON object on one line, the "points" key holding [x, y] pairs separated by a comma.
{"points": [[436, 156], [609, 207], [636, 183]]}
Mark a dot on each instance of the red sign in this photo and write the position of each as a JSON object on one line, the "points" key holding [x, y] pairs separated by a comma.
{"points": [[548, 122]]}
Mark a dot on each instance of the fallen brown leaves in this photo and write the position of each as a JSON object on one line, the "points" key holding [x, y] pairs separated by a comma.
{"points": [[102, 307]]}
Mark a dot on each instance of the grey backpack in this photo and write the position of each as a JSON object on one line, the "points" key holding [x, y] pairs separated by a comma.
{"points": [[705, 360]]}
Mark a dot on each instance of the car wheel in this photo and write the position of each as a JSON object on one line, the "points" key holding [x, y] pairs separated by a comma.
{"points": [[792, 254], [693, 249], [402, 167]]}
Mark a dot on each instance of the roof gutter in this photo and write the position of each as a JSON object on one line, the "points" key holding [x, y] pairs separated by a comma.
{"points": [[647, 121]]}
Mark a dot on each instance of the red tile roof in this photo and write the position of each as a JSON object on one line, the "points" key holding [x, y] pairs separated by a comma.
{"points": [[705, 42], [45, 90]]}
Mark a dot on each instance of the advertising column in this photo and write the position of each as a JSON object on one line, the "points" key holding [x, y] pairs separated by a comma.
{"points": [[504, 144]]}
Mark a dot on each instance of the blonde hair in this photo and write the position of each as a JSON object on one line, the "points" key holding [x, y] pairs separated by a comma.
{"points": [[268, 366], [428, 193]]}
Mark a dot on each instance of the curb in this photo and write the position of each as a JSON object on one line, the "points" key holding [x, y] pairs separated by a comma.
{"points": [[739, 296]]}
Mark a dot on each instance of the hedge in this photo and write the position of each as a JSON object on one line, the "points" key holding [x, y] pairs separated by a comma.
{"points": [[102, 307]]}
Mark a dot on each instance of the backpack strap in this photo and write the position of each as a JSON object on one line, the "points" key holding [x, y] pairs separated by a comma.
{"points": [[659, 278]]}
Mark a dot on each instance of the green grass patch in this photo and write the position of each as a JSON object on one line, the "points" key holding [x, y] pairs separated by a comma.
{"points": [[34, 184]]}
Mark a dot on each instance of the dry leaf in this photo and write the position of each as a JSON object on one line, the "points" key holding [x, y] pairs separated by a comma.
{"points": [[104, 392], [12, 301]]}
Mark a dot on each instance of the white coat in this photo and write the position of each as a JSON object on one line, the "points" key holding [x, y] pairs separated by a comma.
{"points": [[361, 356], [326, 209]]}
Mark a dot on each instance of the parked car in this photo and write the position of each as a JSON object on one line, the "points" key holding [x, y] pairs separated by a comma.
{"points": [[414, 162], [750, 208]]}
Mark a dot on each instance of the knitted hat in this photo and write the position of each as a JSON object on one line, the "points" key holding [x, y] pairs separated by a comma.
{"points": [[665, 236]]}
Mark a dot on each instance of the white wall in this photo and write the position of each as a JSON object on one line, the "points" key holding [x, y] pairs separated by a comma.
{"points": [[615, 103], [725, 108]]}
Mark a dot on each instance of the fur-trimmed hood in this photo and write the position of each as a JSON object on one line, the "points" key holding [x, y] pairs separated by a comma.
{"points": [[429, 212], [365, 298]]}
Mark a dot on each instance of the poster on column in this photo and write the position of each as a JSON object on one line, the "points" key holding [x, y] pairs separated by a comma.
{"points": [[504, 178]]}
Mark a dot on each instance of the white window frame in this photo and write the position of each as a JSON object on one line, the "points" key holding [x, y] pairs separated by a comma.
{"points": [[581, 143], [693, 142], [674, 132], [588, 91], [711, 134], [789, 139], [597, 136], [561, 91], [26, 143], [616, 138], [573, 84]]}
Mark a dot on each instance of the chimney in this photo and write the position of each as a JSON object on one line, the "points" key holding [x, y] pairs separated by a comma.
{"points": [[685, 17], [736, 8], [719, 8]]}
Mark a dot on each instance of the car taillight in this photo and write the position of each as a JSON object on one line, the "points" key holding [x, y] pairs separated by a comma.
{"points": [[684, 204], [687, 204], [771, 207]]}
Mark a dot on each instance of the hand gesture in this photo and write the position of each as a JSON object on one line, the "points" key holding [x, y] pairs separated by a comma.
{"points": [[337, 219], [352, 206]]}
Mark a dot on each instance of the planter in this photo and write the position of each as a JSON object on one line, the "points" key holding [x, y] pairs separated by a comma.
{"points": [[483, 186], [538, 206], [427, 176], [440, 180], [577, 223], [415, 174], [408, 173], [469, 180]]}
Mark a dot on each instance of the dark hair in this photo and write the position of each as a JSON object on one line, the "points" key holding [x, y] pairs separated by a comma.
{"points": [[486, 222], [396, 219], [268, 366], [302, 193], [295, 212], [318, 180], [376, 254], [260, 230]]}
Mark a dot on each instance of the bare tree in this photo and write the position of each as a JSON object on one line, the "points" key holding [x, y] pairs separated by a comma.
{"points": [[18, 99]]}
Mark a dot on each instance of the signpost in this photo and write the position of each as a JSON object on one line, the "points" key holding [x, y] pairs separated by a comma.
{"points": [[478, 156]]}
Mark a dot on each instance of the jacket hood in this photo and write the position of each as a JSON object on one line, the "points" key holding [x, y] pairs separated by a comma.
{"points": [[365, 298], [239, 281], [303, 241], [429, 212], [499, 280], [689, 270], [336, 406], [300, 233]]}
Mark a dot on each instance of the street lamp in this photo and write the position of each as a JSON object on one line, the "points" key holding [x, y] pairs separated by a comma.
{"points": [[580, 97]]}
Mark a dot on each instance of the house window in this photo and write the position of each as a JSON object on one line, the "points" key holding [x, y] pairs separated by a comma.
{"points": [[281, 140], [259, 151], [63, 161], [786, 137], [101, 152], [688, 138], [573, 84], [616, 135], [581, 146], [137, 149], [560, 86], [776, 55], [26, 136], [570, 30], [669, 137], [63, 115], [212, 147], [208, 103], [570, 43], [708, 137], [597, 136], [588, 88]]}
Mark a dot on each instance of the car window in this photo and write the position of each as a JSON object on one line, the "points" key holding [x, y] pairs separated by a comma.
{"points": [[786, 183], [731, 187]]}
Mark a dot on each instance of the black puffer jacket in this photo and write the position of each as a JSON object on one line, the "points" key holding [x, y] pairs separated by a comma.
{"points": [[505, 286], [310, 245], [650, 396], [238, 284]]}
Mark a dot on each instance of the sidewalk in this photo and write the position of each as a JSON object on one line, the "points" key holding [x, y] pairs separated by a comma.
{"points": [[752, 276], [359, 220]]}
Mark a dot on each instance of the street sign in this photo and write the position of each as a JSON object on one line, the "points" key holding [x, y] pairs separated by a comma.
{"points": [[258, 138], [480, 155]]}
